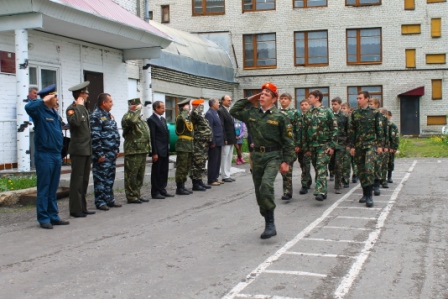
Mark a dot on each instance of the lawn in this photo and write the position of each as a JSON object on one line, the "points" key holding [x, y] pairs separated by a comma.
{"points": [[434, 146]]}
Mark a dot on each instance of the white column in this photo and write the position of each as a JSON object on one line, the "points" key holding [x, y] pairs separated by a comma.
{"points": [[147, 88], [22, 76]]}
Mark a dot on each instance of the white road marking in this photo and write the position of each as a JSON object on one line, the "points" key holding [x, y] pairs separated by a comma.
{"points": [[331, 240], [364, 208], [348, 280], [344, 227], [352, 217], [299, 273], [318, 254], [259, 296]]}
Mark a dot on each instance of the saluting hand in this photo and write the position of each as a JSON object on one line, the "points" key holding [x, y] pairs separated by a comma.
{"points": [[79, 101], [254, 99]]}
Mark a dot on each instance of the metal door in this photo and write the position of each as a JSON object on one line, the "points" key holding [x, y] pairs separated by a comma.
{"points": [[410, 115]]}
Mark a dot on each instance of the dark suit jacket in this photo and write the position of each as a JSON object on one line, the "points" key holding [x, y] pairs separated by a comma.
{"points": [[160, 136], [229, 128], [216, 125]]}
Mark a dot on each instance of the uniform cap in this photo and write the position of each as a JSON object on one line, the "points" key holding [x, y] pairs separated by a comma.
{"points": [[272, 87], [79, 86], [197, 102], [186, 101], [51, 89], [135, 101]]}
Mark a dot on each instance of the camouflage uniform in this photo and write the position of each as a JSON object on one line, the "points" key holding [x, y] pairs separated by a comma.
{"points": [[341, 161], [294, 117], [304, 160], [384, 157], [202, 137], [184, 146], [272, 135], [137, 146], [393, 144], [381, 160], [105, 142], [320, 131]]}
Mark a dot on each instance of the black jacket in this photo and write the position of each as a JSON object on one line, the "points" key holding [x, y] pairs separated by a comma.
{"points": [[160, 136], [228, 126]]}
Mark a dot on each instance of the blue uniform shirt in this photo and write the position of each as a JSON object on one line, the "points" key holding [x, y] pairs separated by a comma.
{"points": [[47, 127]]}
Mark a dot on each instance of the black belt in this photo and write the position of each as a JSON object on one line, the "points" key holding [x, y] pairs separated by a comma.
{"points": [[267, 149]]}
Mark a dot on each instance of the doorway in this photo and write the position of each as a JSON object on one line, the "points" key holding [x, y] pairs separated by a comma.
{"points": [[410, 115], [95, 88]]}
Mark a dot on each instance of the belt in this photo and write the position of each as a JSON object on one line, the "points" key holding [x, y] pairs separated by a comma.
{"points": [[185, 137], [267, 149]]}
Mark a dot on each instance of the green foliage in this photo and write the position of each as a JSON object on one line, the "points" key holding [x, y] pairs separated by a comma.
{"points": [[434, 146], [12, 182], [244, 147]]}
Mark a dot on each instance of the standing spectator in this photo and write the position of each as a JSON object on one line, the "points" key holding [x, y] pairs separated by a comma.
{"points": [[32, 95], [80, 150], [214, 150], [105, 149], [229, 138], [137, 145], [272, 134], [48, 144], [240, 131], [160, 143], [184, 146]]}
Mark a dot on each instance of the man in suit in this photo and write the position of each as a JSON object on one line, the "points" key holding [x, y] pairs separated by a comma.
{"points": [[214, 151], [80, 150], [160, 151], [229, 138]]}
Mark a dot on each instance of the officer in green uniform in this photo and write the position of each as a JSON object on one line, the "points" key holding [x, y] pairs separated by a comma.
{"points": [[273, 138], [365, 140], [80, 150], [137, 145], [394, 141], [184, 147]]}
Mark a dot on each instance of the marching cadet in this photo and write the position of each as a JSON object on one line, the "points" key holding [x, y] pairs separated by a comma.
{"points": [[304, 160], [184, 146], [320, 133], [393, 146], [384, 158], [137, 145], [381, 160], [366, 140], [273, 149], [350, 165], [294, 116], [340, 153], [105, 149], [202, 137]]}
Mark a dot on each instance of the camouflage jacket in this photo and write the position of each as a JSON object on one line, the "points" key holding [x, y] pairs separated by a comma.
{"points": [[137, 139], [366, 128], [268, 129], [385, 123], [104, 132], [296, 121], [320, 129], [201, 127], [394, 139], [343, 129], [185, 132]]}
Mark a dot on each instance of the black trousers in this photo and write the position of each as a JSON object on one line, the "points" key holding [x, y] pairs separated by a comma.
{"points": [[159, 175], [214, 164]]}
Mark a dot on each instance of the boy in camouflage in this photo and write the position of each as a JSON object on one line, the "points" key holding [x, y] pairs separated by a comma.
{"points": [[340, 157], [393, 146], [184, 146], [381, 160], [304, 160], [345, 108]]}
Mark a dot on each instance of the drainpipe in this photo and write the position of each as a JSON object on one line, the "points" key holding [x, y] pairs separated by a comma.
{"points": [[147, 88], [147, 10], [22, 77]]}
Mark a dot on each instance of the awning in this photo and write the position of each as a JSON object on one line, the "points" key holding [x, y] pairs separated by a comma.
{"points": [[101, 22], [416, 92]]}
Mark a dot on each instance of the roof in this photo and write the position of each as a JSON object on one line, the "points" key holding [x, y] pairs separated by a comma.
{"points": [[419, 91]]}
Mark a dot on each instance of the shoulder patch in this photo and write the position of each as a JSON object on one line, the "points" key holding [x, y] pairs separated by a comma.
{"points": [[70, 112]]}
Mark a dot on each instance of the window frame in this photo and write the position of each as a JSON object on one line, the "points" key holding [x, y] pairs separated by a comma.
{"points": [[372, 94], [411, 58], [305, 4], [358, 47], [436, 89], [254, 4], [175, 109], [357, 4], [162, 17], [307, 93], [204, 9], [254, 44], [306, 57]]}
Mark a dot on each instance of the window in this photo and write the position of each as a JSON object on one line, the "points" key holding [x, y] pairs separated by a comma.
{"points": [[302, 93], [208, 7], [434, 120], [410, 57], [259, 51], [364, 46], [150, 15], [435, 58], [410, 29], [362, 2], [42, 76], [251, 92], [311, 48], [309, 3], [409, 4], [374, 91], [436, 27], [171, 110], [436, 89], [165, 13], [254, 5], [435, 1], [7, 62]]}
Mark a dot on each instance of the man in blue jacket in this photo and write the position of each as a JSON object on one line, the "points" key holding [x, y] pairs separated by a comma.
{"points": [[48, 146]]}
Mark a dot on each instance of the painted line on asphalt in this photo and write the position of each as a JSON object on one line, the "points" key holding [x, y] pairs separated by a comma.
{"points": [[344, 227], [318, 254], [349, 279], [331, 240], [353, 217], [298, 273], [364, 208], [259, 296]]}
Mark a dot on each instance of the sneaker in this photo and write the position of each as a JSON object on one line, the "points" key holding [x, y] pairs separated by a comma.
{"points": [[238, 161], [242, 161]]}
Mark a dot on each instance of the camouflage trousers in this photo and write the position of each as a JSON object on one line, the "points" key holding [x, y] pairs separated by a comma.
{"points": [[305, 165], [320, 160], [287, 180], [365, 160], [341, 164], [331, 164], [265, 168], [353, 164], [199, 158], [183, 166], [381, 165], [103, 179], [385, 167], [391, 162], [346, 167], [134, 173]]}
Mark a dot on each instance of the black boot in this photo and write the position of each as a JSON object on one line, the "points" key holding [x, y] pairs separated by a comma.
{"points": [[186, 190], [197, 186], [364, 195], [369, 200], [384, 184], [204, 185], [269, 230], [354, 179], [389, 177], [376, 187], [303, 190], [180, 190]]}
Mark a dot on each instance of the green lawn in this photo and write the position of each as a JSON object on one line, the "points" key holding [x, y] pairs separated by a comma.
{"points": [[435, 146]]}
